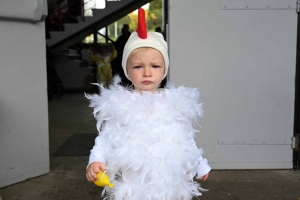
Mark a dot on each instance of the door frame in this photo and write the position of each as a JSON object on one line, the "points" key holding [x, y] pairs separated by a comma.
{"points": [[296, 151]]}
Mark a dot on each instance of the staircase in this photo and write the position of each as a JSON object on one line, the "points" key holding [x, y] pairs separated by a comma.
{"points": [[75, 32]]}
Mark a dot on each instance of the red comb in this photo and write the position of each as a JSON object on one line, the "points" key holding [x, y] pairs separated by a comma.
{"points": [[142, 28]]}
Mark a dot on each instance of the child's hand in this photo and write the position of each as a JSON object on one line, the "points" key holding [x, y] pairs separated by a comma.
{"points": [[93, 170], [204, 178]]}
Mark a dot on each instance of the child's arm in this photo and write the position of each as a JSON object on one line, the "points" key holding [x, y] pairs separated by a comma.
{"points": [[99, 150], [96, 159], [203, 169], [93, 169], [203, 166]]}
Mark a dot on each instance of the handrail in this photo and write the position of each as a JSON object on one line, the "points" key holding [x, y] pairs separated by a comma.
{"points": [[106, 37]]}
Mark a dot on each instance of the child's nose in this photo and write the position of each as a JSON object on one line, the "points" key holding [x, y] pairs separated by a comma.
{"points": [[147, 71]]}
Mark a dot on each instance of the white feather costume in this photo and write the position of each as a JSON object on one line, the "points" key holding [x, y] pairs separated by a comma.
{"points": [[147, 142]]}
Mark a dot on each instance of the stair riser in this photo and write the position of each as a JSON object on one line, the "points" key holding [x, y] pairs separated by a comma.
{"points": [[101, 17]]}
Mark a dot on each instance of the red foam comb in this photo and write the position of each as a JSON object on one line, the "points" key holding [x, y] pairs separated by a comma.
{"points": [[142, 28]]}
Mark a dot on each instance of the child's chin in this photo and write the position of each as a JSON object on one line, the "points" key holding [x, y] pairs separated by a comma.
{"points": [[147, 89]]}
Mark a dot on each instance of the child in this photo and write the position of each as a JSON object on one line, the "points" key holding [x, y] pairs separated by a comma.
{"points": [[146, 143]]}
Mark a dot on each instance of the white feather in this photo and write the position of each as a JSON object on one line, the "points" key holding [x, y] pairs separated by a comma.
{"points": [[149, 147]]}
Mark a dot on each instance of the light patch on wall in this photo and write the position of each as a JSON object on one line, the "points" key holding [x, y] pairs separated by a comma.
{"points": [[100, 4]]}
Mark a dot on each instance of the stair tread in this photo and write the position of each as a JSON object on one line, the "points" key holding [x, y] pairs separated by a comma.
{"points": [[72, 28]]}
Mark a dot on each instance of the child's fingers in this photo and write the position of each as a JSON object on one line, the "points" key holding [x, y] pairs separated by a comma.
{"points": [[89, 176], [96, 169], [204, 178], [102, 167], [94, 176], [93, 170]]}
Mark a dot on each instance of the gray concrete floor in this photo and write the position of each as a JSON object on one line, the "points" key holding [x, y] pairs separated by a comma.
{"points": [[67, 177]]}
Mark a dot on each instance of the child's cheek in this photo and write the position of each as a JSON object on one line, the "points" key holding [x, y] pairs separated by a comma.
{"points": [[133, 78]]}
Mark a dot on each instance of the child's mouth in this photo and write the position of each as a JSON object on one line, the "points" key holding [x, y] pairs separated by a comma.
{"points": [[146, 82]]}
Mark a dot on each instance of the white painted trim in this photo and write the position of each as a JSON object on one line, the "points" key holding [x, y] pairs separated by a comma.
{"points": [[33, 10], [238, 166]]}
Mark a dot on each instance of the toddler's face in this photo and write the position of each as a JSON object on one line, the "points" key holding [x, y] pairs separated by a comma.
{"points": [[146, 69]]}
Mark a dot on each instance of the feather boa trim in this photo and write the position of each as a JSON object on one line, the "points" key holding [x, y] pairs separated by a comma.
{"points": [[147, 142]]}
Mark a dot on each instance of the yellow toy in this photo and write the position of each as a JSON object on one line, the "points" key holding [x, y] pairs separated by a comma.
{"points": [[103, 180]]}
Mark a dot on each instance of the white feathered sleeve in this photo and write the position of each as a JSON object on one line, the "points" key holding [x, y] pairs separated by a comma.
{"points": [[203, 167], [99, 151], [191, 109], [102, 106]]}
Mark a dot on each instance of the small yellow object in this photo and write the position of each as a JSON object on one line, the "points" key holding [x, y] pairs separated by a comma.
{"points": [[103, 180]]}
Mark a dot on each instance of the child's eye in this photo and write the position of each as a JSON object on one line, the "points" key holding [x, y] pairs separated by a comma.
{"points": [[137, 67], [155, 66]]}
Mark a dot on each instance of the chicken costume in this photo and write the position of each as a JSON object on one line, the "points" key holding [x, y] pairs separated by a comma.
{"points": [[146, 139]]}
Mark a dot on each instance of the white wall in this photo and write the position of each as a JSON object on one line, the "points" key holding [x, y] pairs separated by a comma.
{"points": [[24, 145], [22, 9], [243, 62]]}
